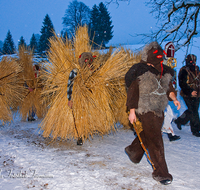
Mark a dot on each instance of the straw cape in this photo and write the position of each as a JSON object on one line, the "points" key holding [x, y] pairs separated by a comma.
{"points": [[10, 89], [95, 92], [32, 99]]}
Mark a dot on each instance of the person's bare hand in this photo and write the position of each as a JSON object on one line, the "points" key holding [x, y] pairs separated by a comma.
{"points": [[70, 104], [177, 104], [132, 117], [30, 89], [194, 93]]}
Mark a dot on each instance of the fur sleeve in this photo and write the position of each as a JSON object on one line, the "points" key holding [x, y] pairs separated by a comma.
{"points": [[133, 95]]}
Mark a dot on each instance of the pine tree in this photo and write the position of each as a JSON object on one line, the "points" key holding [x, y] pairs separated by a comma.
{"points": [[8, 45], [21, 42], [101, 25], [47, 32], [1, 47], [33, 43], [94, 26], [105, 25]]}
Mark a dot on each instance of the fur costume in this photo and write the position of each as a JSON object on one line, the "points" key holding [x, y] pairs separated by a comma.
{"points": [[95, 92], [149, 85]]}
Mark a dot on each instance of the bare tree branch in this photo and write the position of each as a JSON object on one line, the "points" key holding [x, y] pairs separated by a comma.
{"points": [[177, 20], [116, 1]]}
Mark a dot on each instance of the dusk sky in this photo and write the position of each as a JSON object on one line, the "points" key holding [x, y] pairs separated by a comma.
{"points": [[25, 17]]}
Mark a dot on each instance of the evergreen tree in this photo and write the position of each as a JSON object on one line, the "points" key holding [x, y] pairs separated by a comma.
{"points": [[101, 25], [47, 32], [21, 42], [64, 35], [33, 43], [1, 46], [94, 26], [8, 45], [105, 25]]}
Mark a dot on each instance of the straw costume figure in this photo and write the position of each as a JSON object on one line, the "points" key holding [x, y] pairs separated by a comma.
{"points": [[95, 88], [149, 89], [10, 89], [30, 79]]}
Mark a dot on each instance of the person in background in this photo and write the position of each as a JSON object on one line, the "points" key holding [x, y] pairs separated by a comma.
{"points": [[189, 83], [31, 114], [170, 61]]}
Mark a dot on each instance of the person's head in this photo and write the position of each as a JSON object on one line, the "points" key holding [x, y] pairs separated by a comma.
{"points": [[191, 60], [86, 59], [153, 53]]}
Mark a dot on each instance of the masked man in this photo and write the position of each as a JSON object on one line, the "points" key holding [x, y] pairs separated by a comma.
{"points": [[189, 83], [150, 87]]}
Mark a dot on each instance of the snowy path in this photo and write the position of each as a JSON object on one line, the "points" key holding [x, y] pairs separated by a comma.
{"points": [[28, 161]]}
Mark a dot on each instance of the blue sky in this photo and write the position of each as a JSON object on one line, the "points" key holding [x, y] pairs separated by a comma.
{"points": [[25, 17]]}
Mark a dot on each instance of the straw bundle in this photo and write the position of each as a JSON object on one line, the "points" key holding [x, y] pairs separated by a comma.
{"points": [[95, 92], [32, 99], [10, 90], [121, 113]]}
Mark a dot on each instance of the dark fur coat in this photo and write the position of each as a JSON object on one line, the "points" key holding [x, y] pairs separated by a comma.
{"points": [[146, 90]]}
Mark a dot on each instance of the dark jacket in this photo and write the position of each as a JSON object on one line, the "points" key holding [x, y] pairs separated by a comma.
{"points": [[189, 80]]}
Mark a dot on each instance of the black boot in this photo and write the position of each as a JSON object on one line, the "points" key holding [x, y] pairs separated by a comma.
{"points": [[80, 141], [173, 138], [197, 134], [30, 118], [166, 182]]}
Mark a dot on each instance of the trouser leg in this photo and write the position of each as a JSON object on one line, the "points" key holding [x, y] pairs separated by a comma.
{"points": [[193, 107], [135, 150], [184, 118], [153, 141]]}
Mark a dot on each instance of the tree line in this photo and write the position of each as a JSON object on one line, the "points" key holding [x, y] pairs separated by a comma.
{"points": [[77, 14]]}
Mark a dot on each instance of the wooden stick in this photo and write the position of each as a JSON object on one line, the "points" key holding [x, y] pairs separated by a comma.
{"points": [[134, 125]]}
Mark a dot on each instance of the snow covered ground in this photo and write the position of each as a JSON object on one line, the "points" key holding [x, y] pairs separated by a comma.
{"points": [[29, 161]]}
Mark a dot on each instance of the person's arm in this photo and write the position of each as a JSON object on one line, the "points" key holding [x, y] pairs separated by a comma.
{"points": [[132, 100], [133, 95], [132, 116], [131, 75], [172, 95]]}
